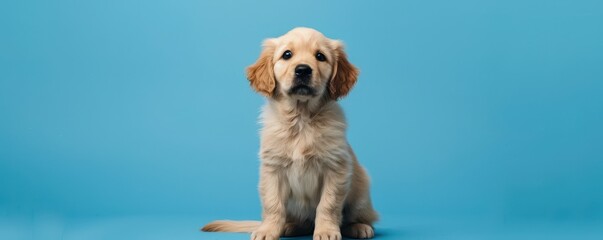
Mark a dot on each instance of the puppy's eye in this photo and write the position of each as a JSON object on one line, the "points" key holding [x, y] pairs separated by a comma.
{"points": [[287, 54], [320, 57]]}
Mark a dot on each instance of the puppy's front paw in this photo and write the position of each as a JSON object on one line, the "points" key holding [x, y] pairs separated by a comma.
{"points": [[327, 234], [265, 233]]}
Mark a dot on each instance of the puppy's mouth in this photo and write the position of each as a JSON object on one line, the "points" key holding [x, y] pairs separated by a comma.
{"points": [[303, 90]]}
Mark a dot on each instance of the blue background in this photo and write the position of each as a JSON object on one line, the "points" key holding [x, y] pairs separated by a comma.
{"points": [[134, 120]]}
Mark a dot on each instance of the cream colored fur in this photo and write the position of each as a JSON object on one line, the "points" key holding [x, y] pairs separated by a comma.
{"points": [[310, 179]]}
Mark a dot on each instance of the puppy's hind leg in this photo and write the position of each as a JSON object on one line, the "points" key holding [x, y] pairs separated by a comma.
{"points": [[359, 222], [359, 214], [358, 230]]}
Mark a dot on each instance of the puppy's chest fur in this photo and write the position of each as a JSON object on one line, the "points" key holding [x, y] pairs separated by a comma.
{"points": [[302, 148], [307, 140]]}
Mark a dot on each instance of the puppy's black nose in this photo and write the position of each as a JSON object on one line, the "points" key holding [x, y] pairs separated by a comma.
{"points": [[303, 71]]}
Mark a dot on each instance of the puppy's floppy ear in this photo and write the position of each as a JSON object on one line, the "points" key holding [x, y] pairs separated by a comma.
{"points": [[261, 73], [344, 73]]}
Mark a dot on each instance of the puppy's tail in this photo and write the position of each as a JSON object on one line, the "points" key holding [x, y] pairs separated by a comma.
{"points": [[231, 226]]}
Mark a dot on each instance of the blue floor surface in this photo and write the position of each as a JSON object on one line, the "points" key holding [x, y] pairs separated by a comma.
{"points": [[179, 227]]}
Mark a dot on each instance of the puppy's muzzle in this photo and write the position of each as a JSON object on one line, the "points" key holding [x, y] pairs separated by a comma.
{"points": [[301, 83], [303, 73]]}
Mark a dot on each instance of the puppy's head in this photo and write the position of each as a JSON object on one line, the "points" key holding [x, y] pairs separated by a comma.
{"points": [[302, 64]]}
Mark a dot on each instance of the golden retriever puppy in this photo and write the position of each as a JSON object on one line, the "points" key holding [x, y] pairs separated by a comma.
{"points": [[310, 179]]}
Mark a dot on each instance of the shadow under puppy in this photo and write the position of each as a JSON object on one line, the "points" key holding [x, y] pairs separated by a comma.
{"points": [[310, 179]]}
